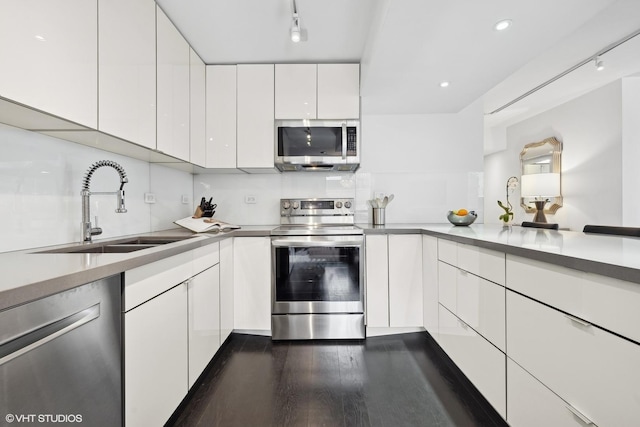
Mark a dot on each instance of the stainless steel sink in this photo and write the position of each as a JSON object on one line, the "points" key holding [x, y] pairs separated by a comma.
{"points": [[118, 246]]}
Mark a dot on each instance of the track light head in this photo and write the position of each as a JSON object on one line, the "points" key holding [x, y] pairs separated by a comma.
{"points": [[599, 63], [295, 29]]}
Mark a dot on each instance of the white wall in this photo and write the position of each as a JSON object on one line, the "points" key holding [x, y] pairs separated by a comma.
{"points": [[630, 151], [40, 182], [432, 163], [590, 129]]}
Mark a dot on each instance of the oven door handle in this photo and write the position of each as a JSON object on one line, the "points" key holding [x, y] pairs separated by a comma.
{"points": [[287, 243]]}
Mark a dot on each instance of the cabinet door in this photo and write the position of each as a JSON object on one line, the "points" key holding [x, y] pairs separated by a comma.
{"points": [[197, 88], [525, 398], [295, 92], [338, 91], [252, 283], [49, 57], [476, 357], [226, 288], [377, 271], [430, 284], [221, 117], [173, 89], [155, 355], [405, 280], [579, 362], [127, 65], [204, 320], [255, 117]]}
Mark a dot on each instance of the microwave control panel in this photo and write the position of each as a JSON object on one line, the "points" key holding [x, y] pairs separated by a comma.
{"points": [[352, 139]]}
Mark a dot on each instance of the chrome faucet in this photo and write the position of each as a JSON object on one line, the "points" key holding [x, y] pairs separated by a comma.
{"points": [[87, 229]]}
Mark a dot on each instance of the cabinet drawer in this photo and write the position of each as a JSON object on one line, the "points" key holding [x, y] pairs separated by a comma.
{"points": [[448, 251], [145, 282], [610, 303], [482, 262], [205, 257], [481, 305], [591, 369], [478, 359], [447, 288], [525, 398]]}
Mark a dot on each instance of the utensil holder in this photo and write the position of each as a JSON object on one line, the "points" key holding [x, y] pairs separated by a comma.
{"points": [[378, 216]]}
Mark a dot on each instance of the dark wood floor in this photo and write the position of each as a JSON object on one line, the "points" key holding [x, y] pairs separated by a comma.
{"points": [[398, 380]]}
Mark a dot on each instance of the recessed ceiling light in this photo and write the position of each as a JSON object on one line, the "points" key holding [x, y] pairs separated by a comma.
{"points": [[444, 84], [40, 38], [502, 25]]}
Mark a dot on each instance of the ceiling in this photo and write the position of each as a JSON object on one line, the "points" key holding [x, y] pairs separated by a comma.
{"points": [[407, 47]]}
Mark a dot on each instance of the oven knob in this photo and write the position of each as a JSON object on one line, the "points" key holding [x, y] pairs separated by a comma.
{"points": [[286, 205], [338, 205], [347, 205], [296, 205]]}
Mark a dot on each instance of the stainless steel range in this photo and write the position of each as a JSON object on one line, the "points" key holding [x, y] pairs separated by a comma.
{"points": [[317, 269]]}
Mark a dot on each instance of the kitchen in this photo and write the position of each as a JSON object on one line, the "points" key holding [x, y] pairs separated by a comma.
{"points": [[440, 166]]}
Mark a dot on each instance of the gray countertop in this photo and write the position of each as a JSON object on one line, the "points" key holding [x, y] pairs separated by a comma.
{"points": [[28, 276]]}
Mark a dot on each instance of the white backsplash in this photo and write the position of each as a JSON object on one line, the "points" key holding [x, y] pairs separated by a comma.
{"points": [[230, 190], [40, 182]]}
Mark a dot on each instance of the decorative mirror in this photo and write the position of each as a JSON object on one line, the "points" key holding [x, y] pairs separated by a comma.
{"points": [[542, 157]]}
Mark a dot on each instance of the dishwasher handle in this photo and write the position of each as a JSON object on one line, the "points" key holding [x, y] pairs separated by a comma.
{"points": [[32, 340]]}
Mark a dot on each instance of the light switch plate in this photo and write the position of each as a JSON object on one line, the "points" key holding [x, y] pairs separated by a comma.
{"points": [[149, 198], [185, 199], [250, 199]]}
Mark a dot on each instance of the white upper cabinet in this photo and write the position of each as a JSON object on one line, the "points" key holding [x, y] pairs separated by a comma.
{"points": [[255, 109], [296, 91], [322, 91], [197, 86], [221, 117], [127, 70], [173, 89], [338, 91], [49, 50]]}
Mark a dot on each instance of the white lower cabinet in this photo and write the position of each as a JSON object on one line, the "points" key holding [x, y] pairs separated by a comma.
{"points": [[252, 284], [481, 362], [226, 289], [594, 371], [171, 331], [155, 358], [430, 284], [394, 280], [204, 320], [405, 280], [531, 404], [377, 273]]}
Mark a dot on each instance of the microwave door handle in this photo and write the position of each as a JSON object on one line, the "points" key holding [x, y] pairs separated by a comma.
{"points": [[344, 141]]}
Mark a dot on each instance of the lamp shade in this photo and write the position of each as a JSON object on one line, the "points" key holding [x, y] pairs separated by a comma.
{"points": [[540, 185]]}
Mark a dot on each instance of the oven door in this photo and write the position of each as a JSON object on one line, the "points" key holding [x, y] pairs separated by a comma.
{"points": [[317, 274]]}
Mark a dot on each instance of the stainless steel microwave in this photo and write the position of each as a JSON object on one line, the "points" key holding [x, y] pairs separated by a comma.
{"points": [[317, 145]]}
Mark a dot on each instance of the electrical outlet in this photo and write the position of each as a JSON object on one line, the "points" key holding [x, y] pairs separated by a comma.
{"points": [[149, 198], [250, 199], [185, 199]]}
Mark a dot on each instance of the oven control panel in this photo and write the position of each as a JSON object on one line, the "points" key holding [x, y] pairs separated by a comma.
{"points": [[317, 207]]}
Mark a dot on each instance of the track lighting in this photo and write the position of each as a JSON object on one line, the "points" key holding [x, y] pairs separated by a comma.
{"points": [[295, 28], [296, 31], [599, 63]]}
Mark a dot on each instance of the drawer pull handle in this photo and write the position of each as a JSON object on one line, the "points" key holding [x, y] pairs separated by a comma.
{"points": [[579, 321], [580, 415]]}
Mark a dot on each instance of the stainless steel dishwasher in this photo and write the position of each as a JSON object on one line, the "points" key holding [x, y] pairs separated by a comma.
{"points": [[61, 358]]}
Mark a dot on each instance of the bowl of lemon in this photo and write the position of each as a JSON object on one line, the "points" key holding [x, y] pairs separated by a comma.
{"points": [[462, 217]]}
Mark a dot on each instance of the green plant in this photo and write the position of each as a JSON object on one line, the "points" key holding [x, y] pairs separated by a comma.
{"points": [[507, 216], [508, 213]]}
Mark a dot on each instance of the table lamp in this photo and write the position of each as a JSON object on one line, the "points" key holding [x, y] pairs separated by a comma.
{"points": [[540, 186]]}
